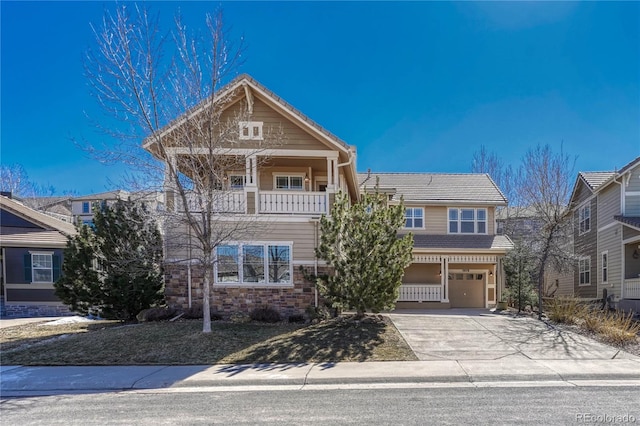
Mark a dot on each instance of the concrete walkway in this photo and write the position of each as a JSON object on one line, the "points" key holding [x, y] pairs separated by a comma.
{"points": [[474, 348]]}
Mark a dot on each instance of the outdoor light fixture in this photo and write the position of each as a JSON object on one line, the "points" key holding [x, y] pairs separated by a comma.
{"points": [[226, 178], [306, 178], [490, 273]]}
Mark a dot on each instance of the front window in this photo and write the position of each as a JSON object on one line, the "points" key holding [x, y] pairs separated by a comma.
{"points": [[584, 266], [289, 182], [605, 266], [247, 263], [467, 221], [236, 181], [42, 268], [86, 207], [585, 218], [413, 217]]}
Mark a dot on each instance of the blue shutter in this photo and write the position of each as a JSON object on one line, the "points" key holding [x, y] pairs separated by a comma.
{"points": [[27, 268], [56, 267]]}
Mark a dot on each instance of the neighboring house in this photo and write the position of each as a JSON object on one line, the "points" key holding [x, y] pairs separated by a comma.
{"points": [[517, 222], [82, 207], [58, 207], [606, 215], [457, 257], [32, 246]]}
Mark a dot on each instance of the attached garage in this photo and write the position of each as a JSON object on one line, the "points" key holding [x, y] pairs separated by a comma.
{"points": [[467, 290]]}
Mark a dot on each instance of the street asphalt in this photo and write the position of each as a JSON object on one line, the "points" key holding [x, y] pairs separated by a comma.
{"points": [[457, 346]]}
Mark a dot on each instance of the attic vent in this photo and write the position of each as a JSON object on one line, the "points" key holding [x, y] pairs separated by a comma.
{"points": [[250, 130]]}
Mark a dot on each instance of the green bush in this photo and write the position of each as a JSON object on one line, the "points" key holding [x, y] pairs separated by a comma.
{"points": [[195, 312]]}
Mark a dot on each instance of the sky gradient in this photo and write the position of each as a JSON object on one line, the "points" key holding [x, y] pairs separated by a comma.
{"points": [[415, 86]]}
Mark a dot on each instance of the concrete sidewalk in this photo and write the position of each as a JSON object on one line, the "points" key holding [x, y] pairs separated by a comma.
{"points": [[22, 381]]}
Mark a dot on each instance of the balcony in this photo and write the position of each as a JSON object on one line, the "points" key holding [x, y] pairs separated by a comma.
{"points": [[222, 202], [288, 202]]}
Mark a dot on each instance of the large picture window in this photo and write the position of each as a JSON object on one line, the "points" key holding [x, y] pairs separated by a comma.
{"points": [[254, 263], [467, 221], [413, 217]]}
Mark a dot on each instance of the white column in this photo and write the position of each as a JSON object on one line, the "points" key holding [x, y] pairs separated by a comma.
{"points": [[445, 274], [329, 173]]}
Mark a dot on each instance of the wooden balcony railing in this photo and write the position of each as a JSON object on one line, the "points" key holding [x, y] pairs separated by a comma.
{"points": [[420, 293], [290, 202]]}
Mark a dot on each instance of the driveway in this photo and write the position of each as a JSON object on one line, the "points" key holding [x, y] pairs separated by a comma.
{"points": [[478, 334]]}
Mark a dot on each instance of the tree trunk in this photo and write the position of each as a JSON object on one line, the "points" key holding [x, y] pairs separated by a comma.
{"points": [[206, 296]]}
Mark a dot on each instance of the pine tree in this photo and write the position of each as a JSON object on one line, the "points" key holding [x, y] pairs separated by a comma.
{"points": [[360, 242], [118, 273], [519, 270]]}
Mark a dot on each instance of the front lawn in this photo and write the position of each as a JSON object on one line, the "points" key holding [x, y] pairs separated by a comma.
{"points": [[182, 342]]}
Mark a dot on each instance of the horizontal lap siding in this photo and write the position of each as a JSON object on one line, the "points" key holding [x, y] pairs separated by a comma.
{"points": [[608, 205], [632, 202], [436, 219], [611, 240]]}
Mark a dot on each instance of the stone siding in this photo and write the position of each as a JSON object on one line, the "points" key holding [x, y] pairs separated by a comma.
{"points": [[11, 310], [229, 299]]}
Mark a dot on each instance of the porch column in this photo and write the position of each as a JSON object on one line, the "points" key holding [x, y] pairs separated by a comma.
{"points": [[444, 264], [329, 173], [251, 185], [169, 194]]}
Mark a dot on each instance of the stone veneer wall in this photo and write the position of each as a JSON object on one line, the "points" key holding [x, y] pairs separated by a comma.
{"points": [[11, 310], [227, 300]]}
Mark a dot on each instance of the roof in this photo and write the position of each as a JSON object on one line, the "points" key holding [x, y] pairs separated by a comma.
{"points": [[595, 179], [45, 221], [118, 194], [437, 188], [29, 237], [462, 242], [629, 165], [633, 221], [245, 79]]}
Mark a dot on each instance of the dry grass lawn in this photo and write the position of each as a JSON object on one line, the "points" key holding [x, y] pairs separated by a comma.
{"points": [[182, 342]]}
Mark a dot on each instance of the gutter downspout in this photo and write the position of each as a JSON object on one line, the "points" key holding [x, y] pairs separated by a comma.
{"points": [[622, 251]]}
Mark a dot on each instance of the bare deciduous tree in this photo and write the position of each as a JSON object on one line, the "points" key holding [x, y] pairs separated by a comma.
{"points": [[167, 89]]}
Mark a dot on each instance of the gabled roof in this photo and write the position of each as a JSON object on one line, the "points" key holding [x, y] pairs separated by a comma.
{"points": [[595, 179], [463, 242], [437, 188], [45, 221], [280, 104]]}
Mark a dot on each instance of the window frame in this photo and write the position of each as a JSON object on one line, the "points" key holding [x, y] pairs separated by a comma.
{"points": [[584, 218], [267, 264], [458, 220], [604, 266], [41, 268], [86, 210], [252, 127], [288, 176], [584, 271], [233, 186], [413, 217]]}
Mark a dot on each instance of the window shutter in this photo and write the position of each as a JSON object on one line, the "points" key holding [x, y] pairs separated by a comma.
{"points": [[56, 267], [27, 268]]}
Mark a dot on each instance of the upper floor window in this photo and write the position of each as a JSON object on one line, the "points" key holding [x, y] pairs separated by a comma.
{"points": [[250, 130], [467, 221], [289, 182], [584, 269], [86, 207], [262, 263], [584, 218], [413, 217]]}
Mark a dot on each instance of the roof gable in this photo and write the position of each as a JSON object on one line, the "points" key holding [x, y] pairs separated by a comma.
{"points": [[437, 188], [34, 217]]}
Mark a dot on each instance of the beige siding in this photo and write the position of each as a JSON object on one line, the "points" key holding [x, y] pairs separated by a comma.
{"points": [[561, 283], [608, 205], [294, 136], [422, 273], [610, 240], [436, 219], [301, 234]]}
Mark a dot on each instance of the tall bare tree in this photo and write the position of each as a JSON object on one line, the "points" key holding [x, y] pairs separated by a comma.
{"points": [[544, 181], [484, 161], [166, 88]]}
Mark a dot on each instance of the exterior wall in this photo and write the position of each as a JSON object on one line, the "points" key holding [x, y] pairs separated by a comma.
{"points": [[608, 205], [632, 193], [19, 290], [561, 283], [422, 273], [295, 136], [436, 219], [17, 310], [586, 244], [227, 300], [610, 240]]}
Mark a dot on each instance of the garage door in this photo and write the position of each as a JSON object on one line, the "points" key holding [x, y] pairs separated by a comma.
{"points": [[466, 291]]}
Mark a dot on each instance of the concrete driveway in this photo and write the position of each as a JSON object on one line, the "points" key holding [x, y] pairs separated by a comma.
{"points": [[478, 334]]}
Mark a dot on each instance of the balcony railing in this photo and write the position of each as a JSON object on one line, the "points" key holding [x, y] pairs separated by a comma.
{"points": [[293, 202], [631, 288], [420, 293], [222, 202]]}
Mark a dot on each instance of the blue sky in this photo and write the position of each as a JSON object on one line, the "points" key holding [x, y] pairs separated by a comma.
{"points": [[416, 86]]}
